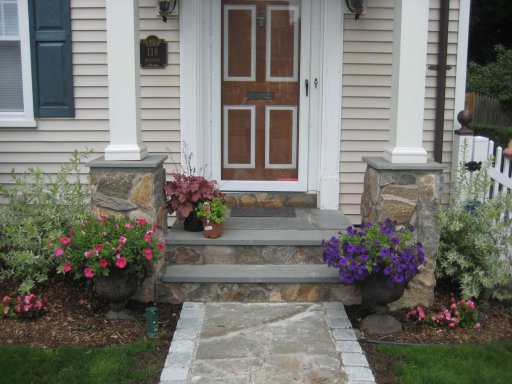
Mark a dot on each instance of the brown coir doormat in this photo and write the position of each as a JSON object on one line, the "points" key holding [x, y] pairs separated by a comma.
{"points": [[263, 212]]}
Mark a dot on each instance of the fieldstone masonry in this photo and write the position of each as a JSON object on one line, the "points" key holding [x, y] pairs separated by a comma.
{"points": [[135, 189], [408, 194]]}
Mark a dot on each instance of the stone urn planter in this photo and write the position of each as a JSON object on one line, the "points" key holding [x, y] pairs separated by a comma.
{"points": [[377, 294], [116, 289]]}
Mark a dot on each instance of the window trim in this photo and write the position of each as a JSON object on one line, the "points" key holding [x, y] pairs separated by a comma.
{"points": [[25, 118]]}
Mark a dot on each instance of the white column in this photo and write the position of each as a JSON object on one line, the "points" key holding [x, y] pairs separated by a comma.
{"points": [[408, 82], [332, 31], [124, 81]]}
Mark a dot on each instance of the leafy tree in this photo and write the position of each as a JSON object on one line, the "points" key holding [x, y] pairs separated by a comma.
{"points": [[493, 79]]}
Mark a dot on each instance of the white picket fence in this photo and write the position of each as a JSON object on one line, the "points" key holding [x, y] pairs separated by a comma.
{"points": [[481, 149]]}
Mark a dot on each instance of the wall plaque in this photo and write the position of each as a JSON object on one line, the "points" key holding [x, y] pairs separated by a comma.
{"points": [[153, 52]]}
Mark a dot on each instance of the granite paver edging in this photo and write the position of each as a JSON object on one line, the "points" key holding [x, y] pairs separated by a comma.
{"points": [[182, 351]]}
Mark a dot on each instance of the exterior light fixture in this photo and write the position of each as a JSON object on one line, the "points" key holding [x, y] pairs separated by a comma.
{"points": [[358, 7], [166, 8]]}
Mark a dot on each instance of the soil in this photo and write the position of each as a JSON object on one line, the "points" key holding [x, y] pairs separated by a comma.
{"points": [[76, 318]]}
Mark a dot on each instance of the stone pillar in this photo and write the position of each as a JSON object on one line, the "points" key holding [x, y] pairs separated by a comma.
{"points": [[407, 194], [135, 189]]}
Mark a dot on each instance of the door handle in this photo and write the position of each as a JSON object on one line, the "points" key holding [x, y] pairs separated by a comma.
{"points": [[307, 86]]}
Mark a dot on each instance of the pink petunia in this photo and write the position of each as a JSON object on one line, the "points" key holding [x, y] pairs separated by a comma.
{"points": [[149, 253], [87, 254], [6, 299], [141, 221], [58, 252], [148, 236], [121, 262], [128, 225], [67, 267], [103, 263], [122, 240], [160, 245], [99, 247], [65, 240], [88, 273]]}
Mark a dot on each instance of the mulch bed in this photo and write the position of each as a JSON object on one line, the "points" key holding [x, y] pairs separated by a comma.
{"points": [[76, 318]]}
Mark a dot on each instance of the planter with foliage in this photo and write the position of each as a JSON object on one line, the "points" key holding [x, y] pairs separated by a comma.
{"points": [[185, 192], [111, 250], [382, 259], [212, 213]]}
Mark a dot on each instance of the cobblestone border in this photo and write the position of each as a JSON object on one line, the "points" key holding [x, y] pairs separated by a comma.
{"points": [[353, 360], [183, 346]]}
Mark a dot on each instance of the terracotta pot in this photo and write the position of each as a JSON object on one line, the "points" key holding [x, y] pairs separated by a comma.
{"points": [[193, 223], [211, 229], [377, 294], [116, 288]]}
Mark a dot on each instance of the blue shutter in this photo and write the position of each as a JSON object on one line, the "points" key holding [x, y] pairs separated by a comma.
{"points": [[52, 72]]}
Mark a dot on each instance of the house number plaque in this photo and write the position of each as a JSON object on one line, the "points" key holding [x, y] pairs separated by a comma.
{"points": [[153, 52]]}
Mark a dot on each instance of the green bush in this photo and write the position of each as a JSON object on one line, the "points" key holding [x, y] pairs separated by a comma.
{"points": [[476, 234], [39, 207], [499, 134], [494, 79]]}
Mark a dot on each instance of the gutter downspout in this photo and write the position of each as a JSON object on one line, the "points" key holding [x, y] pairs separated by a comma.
{"points": [[441, 67]]}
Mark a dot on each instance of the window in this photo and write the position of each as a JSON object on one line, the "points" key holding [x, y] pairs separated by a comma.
{"points": [[16, 108], [36, 72]]}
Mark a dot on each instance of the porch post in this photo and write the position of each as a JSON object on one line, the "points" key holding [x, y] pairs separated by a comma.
{"points": [[124, 81], [408, 82]]}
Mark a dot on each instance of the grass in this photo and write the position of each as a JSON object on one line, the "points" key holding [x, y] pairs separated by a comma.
{"points": [[476, 363], [114, 364]]}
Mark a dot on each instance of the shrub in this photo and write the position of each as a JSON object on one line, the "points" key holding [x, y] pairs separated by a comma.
{"points": [[494, 79], [475, 238], [37, 208]]}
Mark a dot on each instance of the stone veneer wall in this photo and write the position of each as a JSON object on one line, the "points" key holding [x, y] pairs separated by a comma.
{"points": [[135, 189], [407, 194]]}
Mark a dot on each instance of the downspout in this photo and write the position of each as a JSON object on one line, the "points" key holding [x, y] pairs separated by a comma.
{"points": [[441, 68]]}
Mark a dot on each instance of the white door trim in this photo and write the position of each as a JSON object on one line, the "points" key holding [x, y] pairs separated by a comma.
{"points": [[319, 154]]}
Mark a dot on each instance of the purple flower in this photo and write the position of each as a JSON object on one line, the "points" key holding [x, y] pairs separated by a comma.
{"points": [[399, 279], [387, 271], [385, 252]]}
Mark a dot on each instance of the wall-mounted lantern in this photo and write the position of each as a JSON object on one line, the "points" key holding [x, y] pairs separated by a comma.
{"points": [[357, 7], [167, 8]]}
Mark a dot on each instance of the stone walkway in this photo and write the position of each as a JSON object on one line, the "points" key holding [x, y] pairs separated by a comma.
{"points": [[262, 343]]}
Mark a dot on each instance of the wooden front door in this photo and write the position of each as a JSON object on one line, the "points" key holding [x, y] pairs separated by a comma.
{"points": [[260, 90]]}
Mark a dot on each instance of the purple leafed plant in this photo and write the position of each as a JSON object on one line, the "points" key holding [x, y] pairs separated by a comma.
{"points": [[371, 249]]}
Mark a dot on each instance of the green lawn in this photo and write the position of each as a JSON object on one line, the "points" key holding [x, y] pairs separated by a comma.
{"points": [[479, 364], [115, 364]]}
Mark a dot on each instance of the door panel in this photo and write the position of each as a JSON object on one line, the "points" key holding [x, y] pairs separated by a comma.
{"points": [[260, 90]]}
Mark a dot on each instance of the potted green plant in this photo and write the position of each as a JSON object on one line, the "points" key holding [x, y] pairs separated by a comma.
{"points": [[113, 251], [212, 213], [183, 194]]}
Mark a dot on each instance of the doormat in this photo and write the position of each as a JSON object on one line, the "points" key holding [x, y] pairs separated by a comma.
{"points": [[263, 212]]}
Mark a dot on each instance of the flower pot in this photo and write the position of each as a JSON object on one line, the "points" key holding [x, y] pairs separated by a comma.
{"points": [[116, 288], [377, 293], [193, 223], [211, 229]]}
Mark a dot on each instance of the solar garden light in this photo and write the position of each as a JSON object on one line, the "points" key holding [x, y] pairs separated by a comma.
{"points": [[152, 321]]}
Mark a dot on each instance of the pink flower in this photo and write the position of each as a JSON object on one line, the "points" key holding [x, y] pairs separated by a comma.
{"points": [[6, 299], [6, 310], [160, 245], [17, 308], [26, 308], [128, 225], [122, 240], [99, 247], [38, 305], [141, 221], [88, 273], [58, 252], [121, 262], [65, 240], [149, 253], [67, 267], [148, 237], [71, 231], [451, 325], [103, 263], [118, 248], [477, 325]]}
